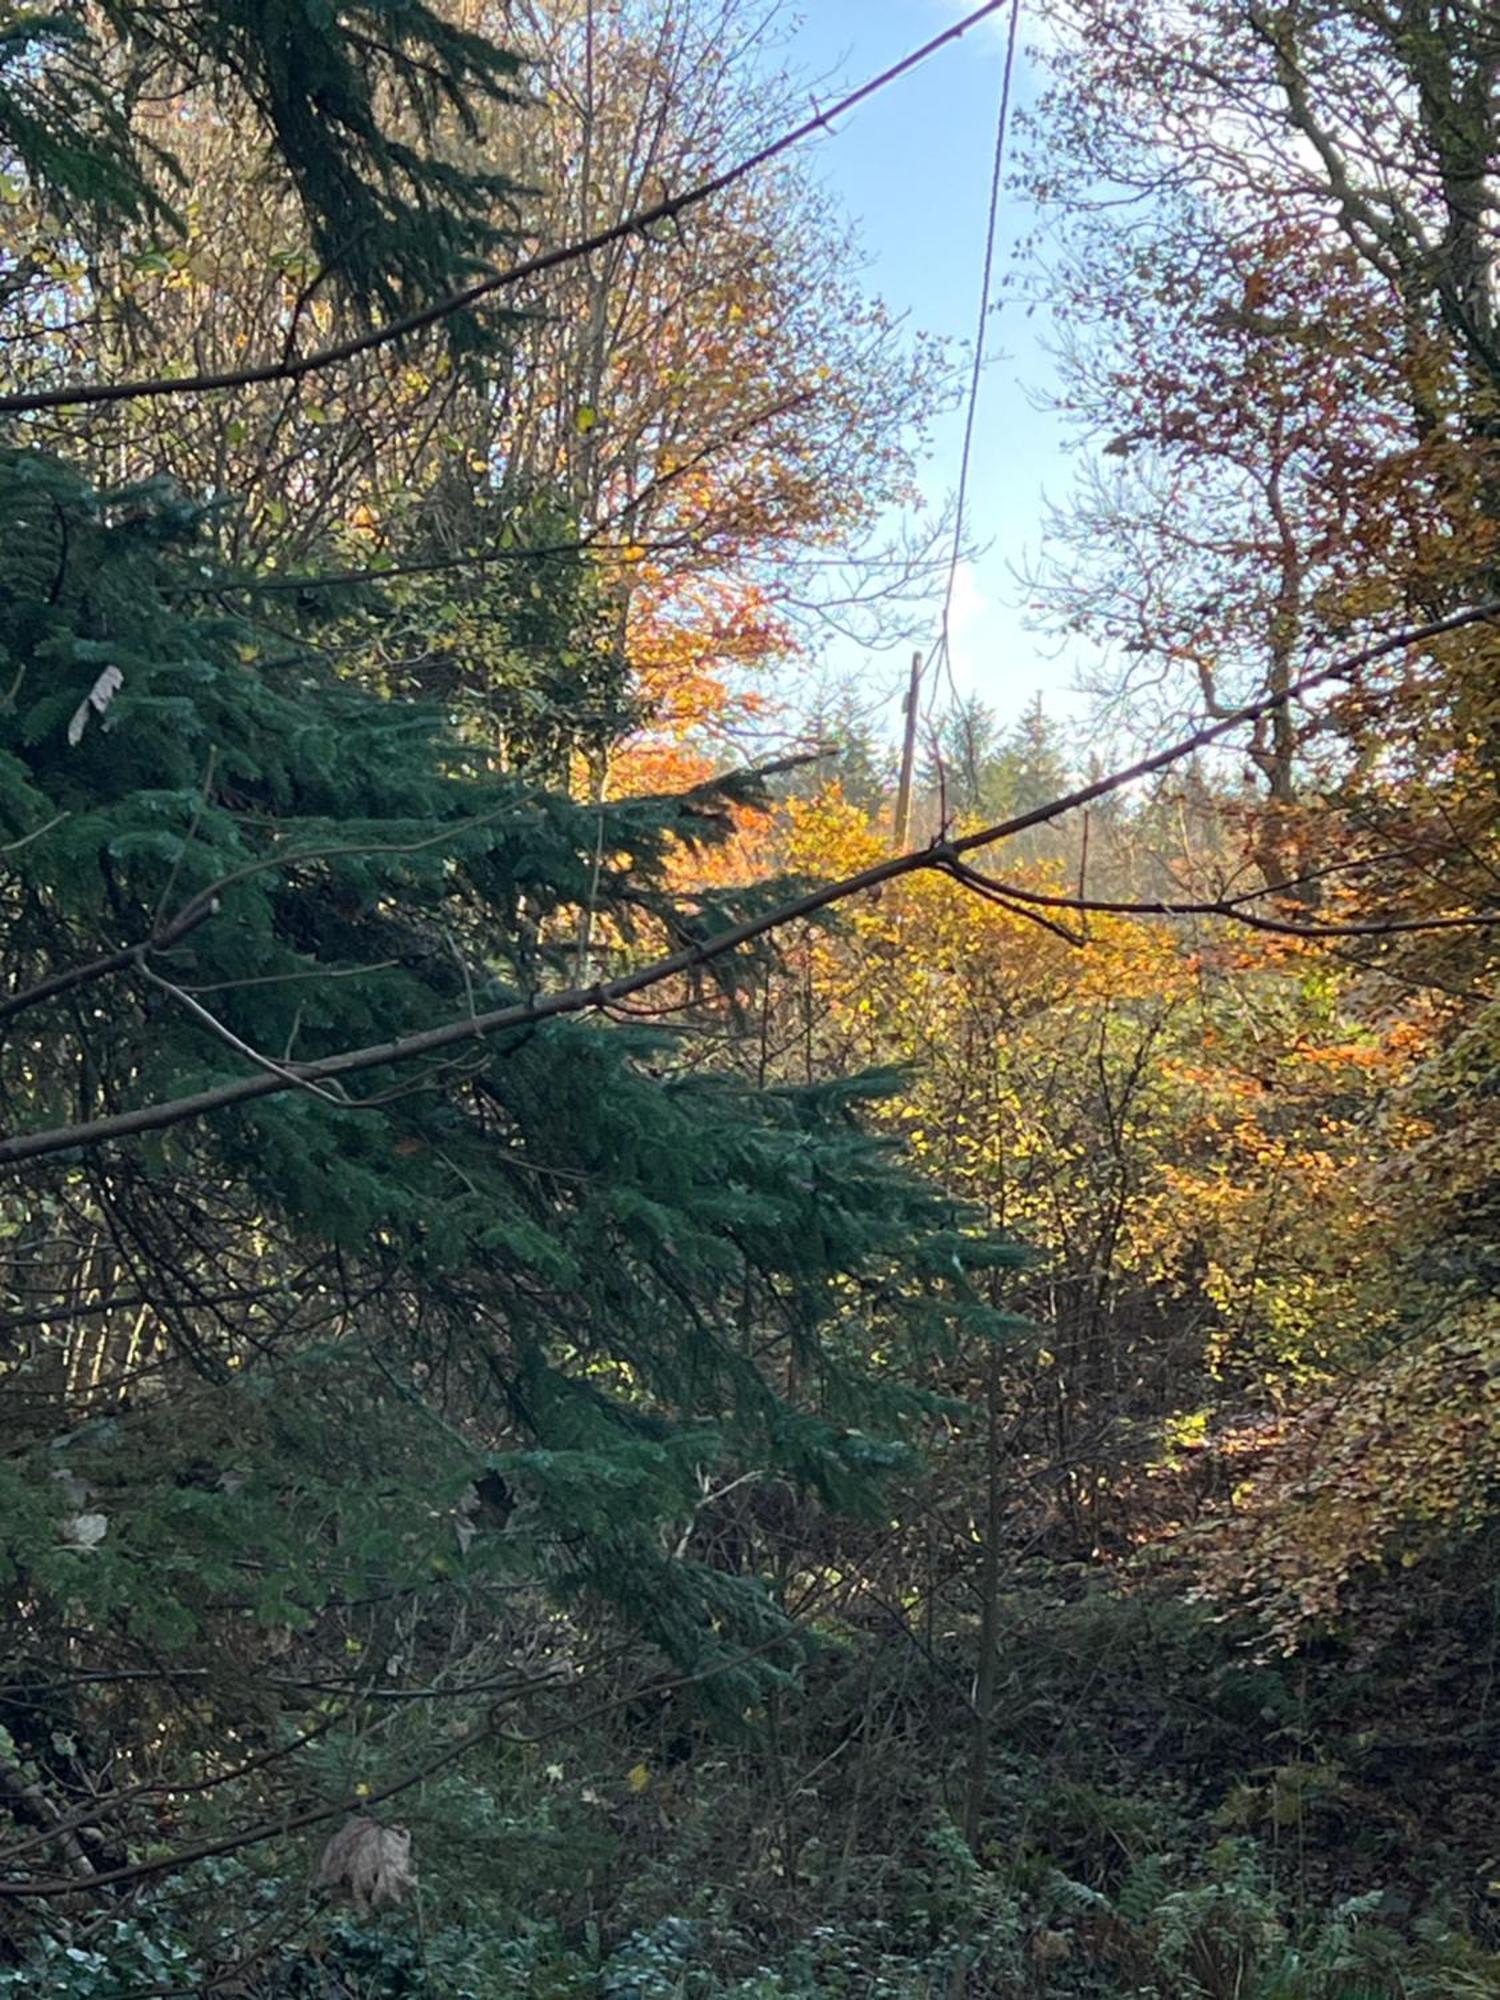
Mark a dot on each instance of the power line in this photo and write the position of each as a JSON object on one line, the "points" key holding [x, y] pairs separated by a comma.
{"points": [[992, 227], [942, 649], [293, 368]]}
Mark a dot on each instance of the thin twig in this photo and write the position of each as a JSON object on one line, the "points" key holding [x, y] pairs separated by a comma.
{"points": [[294, 368], [940, 856]]}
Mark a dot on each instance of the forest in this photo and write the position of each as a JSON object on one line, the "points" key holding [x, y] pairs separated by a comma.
{"points": [[655, 1345]]}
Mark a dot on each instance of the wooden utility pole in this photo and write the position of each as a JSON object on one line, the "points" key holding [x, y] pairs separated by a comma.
{"points": [[908, 755]]}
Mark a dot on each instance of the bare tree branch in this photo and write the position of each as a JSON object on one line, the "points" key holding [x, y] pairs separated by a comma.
{"points": [[1235, 908], [293, 368], [940, 856]]}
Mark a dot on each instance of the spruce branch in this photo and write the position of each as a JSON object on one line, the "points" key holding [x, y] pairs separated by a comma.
{"points": [[295, 368], [940, 856]]}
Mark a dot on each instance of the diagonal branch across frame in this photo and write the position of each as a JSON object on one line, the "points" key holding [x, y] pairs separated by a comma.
{"points": [[941, 856]]}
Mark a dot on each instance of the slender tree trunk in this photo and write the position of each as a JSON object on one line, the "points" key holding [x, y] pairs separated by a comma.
{"points": [[987, 1673]]}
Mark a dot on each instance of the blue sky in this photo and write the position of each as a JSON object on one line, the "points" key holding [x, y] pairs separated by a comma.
{"points": [[913, 168]]}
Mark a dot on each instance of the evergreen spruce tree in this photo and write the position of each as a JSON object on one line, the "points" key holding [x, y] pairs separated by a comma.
{"points": [[853, 757], [956, 770], [343, 1425], [1029, 768]]}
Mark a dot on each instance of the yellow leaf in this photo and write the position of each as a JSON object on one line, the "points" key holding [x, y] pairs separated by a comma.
{"points": [[638, 1778]]}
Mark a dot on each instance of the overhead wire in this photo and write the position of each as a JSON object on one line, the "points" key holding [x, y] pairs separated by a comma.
{"points": [[291, 368], [943, 650]]}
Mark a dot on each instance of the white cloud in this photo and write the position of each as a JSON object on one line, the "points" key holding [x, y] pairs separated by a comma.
{"points": [[994, 656]]}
